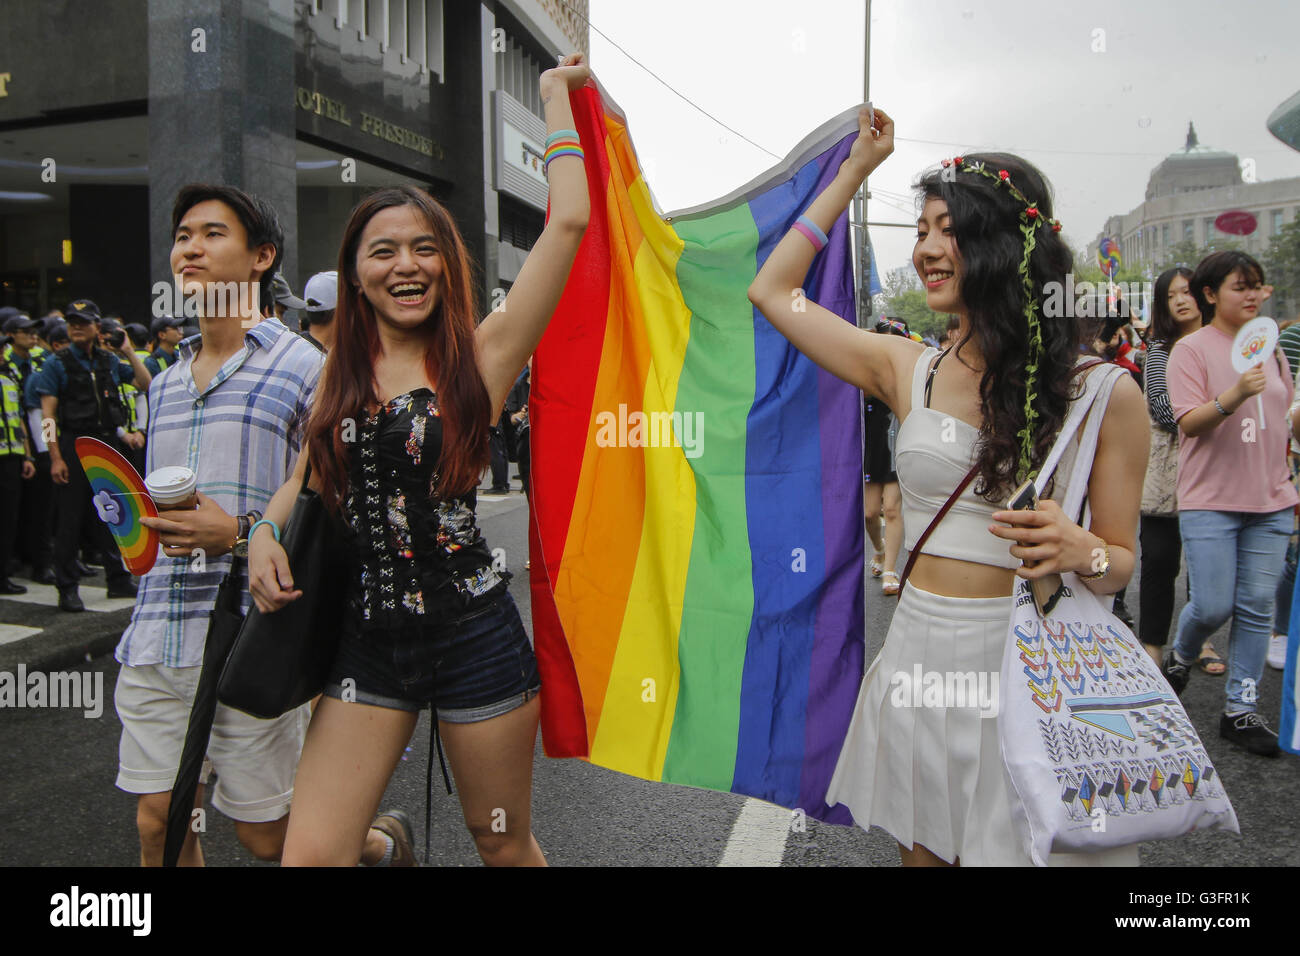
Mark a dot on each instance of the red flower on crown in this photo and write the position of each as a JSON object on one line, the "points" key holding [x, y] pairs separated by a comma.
{"points": [[957, 160], [1003, 175], [947, 163], [1032, 212], [1056, 227]]}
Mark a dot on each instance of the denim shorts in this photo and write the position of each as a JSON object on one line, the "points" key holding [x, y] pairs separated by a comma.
{"points": [[471, 668]]}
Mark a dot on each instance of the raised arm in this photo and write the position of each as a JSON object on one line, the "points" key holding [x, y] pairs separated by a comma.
{"points": [[510, 334], [874, 363]]}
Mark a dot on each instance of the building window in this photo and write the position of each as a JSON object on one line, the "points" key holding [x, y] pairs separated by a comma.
{"points": [[517, 75], [1189, 230], [520, 225], [1277, 221], [1209, 231], [1164, 235]]}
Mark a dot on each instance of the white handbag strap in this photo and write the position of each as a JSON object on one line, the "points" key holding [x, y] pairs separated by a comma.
{"points": [[1097, 385]]}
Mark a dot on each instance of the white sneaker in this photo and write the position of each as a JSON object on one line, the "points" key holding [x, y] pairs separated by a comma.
{"points": [[1277, 652]]}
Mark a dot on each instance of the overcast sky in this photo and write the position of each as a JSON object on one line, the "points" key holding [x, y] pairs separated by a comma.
{"points": [[1017, 75]]}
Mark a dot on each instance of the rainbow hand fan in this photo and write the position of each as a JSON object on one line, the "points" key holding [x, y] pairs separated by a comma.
{"points": [[121, 501]]}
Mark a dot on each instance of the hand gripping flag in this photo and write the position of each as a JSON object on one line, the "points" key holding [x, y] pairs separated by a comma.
{"points": [[697, 533]]}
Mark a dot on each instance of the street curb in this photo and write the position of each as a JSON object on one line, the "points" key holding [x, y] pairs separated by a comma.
{"points": [[52, 652]]}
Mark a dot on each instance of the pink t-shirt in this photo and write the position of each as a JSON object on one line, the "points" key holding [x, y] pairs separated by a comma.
{"points": [[1236, 466]]}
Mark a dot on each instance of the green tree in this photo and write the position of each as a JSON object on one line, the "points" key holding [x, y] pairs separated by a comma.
{"points": [[905, 299], [1281, 262]]}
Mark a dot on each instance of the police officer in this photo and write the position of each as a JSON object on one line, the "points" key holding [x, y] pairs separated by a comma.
{"points": [[112, 337], [16, 466], [23, 358], [167, 334], [78, 389]]}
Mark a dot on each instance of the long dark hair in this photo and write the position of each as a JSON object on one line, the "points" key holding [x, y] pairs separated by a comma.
{"points": [[1164, 328], [347, 383], [986, 225]]}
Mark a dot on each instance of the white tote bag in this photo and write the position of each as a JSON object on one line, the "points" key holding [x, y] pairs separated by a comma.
{"points": [[1098, 750]]}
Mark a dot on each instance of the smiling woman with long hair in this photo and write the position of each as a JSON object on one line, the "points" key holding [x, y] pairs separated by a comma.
{"points": [[397, 441], [933, 776]]}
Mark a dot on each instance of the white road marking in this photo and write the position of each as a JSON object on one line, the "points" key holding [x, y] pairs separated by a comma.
{"points": [[93, 597], [16, 632], [758, 836]]}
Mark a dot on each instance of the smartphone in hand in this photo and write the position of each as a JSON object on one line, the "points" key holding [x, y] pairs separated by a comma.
{"points": [[1046, 590]]}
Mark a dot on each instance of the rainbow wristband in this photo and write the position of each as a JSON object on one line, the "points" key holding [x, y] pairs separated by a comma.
{"points": [[811, 232], [561, 134], [275, 528], [559, 150]]}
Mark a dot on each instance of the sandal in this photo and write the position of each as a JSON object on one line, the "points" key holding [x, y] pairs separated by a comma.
{"points": [[1210, 658], [889, 590], [877, 565]]}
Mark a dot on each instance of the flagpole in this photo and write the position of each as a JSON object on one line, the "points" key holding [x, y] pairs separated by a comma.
{"points": [[864, 260]]}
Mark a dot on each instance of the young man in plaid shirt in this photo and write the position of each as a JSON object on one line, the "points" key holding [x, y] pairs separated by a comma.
{"points": [[232, 409]]}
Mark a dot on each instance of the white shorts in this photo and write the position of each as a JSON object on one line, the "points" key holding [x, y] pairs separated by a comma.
{"points": [[255, 760]]}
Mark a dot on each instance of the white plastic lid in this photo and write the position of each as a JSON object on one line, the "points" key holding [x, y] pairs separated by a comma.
{"points": [[171, 484]]}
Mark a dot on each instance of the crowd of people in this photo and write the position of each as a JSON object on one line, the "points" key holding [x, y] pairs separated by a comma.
{"points": [[420, 396]]}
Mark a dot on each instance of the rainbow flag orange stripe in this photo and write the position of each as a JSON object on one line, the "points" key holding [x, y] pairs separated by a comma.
{"points": [[697, 534]]}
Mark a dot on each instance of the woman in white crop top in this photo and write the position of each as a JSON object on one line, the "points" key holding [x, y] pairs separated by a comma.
{"points": [[933, 776]]}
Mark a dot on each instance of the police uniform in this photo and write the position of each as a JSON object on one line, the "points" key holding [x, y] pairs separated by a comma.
{"points": [[35, 496], [13, 452], [90, 404]]}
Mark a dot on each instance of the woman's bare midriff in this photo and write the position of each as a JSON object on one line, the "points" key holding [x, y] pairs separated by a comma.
{"points": [[955, 578]]}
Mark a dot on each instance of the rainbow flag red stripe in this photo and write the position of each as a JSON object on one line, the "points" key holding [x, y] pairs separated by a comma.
{"points": [[697, 542]]}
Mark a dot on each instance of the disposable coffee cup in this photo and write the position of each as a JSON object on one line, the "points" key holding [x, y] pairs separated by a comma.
{"points": [[173, 488]]}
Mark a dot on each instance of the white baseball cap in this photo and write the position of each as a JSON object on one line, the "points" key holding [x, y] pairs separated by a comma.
{"points": [[322, 292]]}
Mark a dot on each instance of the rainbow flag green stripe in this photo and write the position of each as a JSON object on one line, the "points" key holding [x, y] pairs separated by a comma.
{"points": [[697, 536]]}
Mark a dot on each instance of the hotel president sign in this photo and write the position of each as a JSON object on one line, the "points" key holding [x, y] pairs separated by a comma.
{"points": [[317, 103]]}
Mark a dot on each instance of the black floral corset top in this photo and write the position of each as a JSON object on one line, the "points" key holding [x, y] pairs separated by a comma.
{"points": [[415, 555]]}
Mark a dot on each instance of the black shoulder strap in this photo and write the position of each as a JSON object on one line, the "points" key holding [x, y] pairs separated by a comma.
{"points": [[929, 379]]}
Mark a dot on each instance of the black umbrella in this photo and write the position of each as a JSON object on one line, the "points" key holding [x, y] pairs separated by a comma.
{"points": [[223, 627]]}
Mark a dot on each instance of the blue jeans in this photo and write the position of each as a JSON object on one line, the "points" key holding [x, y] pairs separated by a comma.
{"points": [[1234, 560]]}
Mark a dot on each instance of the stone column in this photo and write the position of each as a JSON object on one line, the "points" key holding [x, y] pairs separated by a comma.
{"points": [[221, 109]]}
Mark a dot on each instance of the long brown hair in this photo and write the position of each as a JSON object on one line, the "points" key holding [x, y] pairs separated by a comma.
{"points": [[347, 384]]}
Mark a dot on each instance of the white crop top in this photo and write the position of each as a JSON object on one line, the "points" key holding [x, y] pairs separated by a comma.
{"points": [[930, 467]]}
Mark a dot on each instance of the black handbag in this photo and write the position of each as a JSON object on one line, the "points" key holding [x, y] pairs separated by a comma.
{"points": [[282, 659]]}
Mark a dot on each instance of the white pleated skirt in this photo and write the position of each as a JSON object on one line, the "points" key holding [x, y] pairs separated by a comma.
{"points": [[932, 774]]}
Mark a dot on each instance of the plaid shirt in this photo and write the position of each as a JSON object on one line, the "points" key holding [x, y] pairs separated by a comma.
{"points": [[241, 437]]}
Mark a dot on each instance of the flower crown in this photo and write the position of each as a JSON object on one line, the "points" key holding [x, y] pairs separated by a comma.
{"points": [[1030, 221]]}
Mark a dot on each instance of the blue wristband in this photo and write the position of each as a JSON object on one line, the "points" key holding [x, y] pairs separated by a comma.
{"points": [[275, 528], [561, 134], [816, 229]]}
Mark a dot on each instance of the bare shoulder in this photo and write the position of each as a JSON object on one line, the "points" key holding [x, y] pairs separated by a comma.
{"points": [[901, 355], [1126, 425]]}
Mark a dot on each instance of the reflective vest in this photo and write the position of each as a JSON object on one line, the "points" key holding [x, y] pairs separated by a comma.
{"points": [[128, 391], [163, 359], [36, 359], [90, 404], [12, 431]]}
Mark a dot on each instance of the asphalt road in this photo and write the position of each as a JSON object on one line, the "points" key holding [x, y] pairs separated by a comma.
{"points": [[58, 805]]}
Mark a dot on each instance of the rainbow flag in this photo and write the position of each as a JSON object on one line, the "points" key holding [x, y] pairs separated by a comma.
{"points": [[697, 534]]}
